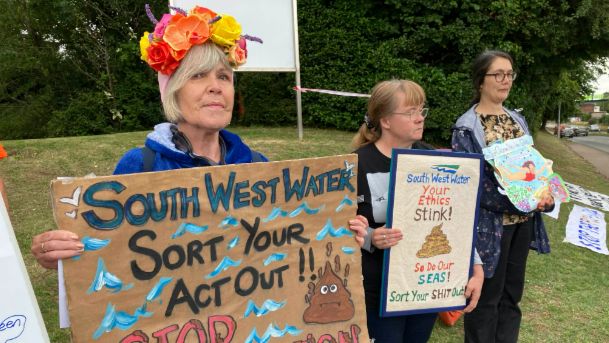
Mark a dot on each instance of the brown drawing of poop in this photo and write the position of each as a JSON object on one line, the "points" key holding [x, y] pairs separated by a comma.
{"points": [[329, 300], [435, 244]]}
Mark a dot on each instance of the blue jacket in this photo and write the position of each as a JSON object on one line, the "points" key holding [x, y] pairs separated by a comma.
{"points": [[468, 136], [168, 157]]}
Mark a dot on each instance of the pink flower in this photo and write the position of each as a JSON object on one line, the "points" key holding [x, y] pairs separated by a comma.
{"points": [[159, 29], [242, 44], [236, 55]]}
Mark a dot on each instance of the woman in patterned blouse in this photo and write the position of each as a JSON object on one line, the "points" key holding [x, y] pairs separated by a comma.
{"points": [[504, 233]]}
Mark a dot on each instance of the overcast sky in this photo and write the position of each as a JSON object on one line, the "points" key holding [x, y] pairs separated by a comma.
{"points": [[602, 84]]}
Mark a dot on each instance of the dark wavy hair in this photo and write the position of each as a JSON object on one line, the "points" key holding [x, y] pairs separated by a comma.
{"points": [[480, 67]]}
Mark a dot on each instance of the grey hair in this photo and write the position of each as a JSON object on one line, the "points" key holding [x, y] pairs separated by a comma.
{"points": [[200, 59]]}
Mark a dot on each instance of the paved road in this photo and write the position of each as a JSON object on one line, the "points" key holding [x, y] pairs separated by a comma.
{"points": [[594, 149], [596, 142]]}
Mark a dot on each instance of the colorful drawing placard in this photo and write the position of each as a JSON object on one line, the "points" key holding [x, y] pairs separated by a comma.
{"points": [[240, 253], [20, 318], [525, 175], [433, 199]]}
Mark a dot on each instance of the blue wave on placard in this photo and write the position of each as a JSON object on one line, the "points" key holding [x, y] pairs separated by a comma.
{"points": [[276, 212], [328, 229], [121, 319], [92, 244], [224, 265], [157, 289], [274, 257], [268, 306], [188, 227], [451, 169], [228, 222], [305, 207], [105, 279], [271, 331], [233, 243], [348, 250], [345, 202]]}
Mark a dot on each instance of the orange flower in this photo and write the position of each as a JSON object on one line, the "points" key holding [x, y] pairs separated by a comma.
{"points": [[184, 32], [3, 153], [160, 58], [205, 12]]}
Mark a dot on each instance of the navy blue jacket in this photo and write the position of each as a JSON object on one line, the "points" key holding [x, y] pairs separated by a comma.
{"points": [[168, 157], [468, 136]]}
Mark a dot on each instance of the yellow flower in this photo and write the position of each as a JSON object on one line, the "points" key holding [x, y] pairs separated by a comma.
{"points": [[225, 31], [144, 44]]}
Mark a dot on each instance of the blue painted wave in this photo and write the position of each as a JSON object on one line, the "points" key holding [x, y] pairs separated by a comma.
{"points": [[105, 279], [272, 331], [224, 265], [446, 168], [228, 222], [328, 229], [276, 212], [119, 319], [267, 306], [348, 250], [345, 202], [274, 257], [157, 289], [92, 244], [188, 227], [233, 243], [305, 207]]}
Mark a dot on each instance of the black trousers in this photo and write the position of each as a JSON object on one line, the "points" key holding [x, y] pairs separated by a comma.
{"points": [[496, 319]]}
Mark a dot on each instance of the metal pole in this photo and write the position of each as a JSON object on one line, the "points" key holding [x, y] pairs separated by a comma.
{"points": [[297, 64], [558, 130]]}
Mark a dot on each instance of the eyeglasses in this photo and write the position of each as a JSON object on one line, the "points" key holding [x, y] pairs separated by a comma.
{"points": [[500, 76], [423, 111]]}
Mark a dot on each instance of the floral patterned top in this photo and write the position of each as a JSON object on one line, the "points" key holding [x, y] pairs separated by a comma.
{"points": [[502, 127], [468, 135]]}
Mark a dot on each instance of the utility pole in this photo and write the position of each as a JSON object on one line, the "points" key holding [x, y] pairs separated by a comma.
{"points": [[558, 129]]}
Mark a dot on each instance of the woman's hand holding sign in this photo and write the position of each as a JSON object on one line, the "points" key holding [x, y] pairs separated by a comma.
{"points": [[382, 237], [52, 246]]}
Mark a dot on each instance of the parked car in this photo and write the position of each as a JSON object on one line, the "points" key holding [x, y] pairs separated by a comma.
{"points": [[594, 128], [567, 132], [580, 130]]}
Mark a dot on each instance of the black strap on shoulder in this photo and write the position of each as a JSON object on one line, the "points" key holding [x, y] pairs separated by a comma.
{"points": [[148, 159]]}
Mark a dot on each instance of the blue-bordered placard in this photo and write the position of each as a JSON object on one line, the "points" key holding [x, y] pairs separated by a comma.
{"points": [[433, 199]]}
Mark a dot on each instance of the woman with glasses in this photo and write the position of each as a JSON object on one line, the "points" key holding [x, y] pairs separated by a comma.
{"points": [[504, 233], [395, 119]]}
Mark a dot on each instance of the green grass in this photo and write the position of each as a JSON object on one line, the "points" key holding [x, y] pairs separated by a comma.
{"points": [[567, 292]]}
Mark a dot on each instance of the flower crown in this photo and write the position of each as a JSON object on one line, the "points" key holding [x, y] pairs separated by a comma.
{"points": [[176, 33]]}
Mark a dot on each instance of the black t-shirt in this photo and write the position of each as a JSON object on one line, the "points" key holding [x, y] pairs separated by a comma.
{"points": [[372, 198]]}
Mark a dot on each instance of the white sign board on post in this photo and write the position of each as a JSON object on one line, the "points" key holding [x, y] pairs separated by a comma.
{"points": [[273, 21], [20, 318]]}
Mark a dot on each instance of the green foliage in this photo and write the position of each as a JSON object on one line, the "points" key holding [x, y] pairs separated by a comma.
{"points": [[73, 67]]}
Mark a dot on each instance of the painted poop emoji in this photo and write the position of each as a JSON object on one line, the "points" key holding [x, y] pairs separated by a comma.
{"points": [[435, 244], [330, 301]]}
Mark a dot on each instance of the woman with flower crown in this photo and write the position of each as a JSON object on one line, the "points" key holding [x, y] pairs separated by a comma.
{"points": [[194, 54]]}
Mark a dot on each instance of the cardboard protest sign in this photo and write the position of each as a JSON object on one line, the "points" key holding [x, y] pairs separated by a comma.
{"points": [[587, 228], [525, 175], [433, 199], [239, 253], [20, 318]]}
